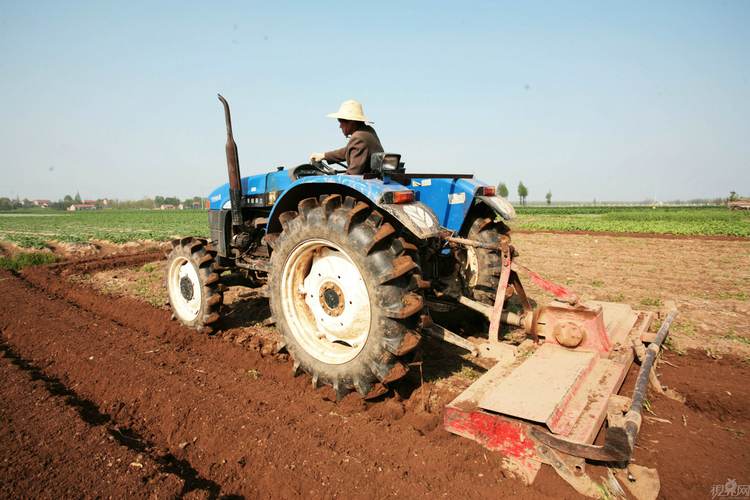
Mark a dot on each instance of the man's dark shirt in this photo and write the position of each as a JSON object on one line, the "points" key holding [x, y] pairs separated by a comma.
{"points": [[362, 144]]}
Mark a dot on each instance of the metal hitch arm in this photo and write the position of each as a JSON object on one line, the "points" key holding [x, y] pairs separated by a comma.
{"points": [[619, 441]]}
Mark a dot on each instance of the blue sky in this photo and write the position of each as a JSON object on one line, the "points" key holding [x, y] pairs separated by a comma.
{"points": [[613, 101]]}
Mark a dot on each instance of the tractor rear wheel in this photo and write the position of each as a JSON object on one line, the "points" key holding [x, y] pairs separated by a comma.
{"points": [[481, 270], [192, 282], [344, 295]]}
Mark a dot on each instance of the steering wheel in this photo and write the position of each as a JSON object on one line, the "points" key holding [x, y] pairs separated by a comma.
{"points": [[326, 168], [323, 167], [315, 168]]}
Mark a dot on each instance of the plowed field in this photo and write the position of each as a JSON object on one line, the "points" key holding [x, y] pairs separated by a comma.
{"points": [[103, 395]]}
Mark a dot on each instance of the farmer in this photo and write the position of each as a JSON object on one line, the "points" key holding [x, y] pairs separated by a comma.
{"points": [[363, 141]]}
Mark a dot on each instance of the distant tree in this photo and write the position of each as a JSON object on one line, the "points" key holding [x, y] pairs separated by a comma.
{"points": [[523, 192], [145, 203], [58, 205], [6, 204], [733, 196], [67, 201], [502, 190], [159, 200], [78, 197], [548, 197]]}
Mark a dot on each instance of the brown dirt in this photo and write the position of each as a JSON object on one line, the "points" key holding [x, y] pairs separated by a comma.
{"points": [[665, 236], [229, 419], [706, 441], [94, 248], [223, 415], [53, 441], [708, 281]]}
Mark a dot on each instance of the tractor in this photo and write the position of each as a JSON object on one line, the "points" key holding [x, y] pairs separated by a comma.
{"points": [[356, 266]]}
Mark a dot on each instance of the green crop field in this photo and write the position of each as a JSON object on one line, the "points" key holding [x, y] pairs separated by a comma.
{"points": [[710, 221], [33, 228]]}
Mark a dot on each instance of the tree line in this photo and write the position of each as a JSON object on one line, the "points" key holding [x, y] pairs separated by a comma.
{"points": [[523, 192], [68, 200]]}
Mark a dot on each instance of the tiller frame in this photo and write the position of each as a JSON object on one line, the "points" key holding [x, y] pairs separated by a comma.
{"points": [[547, 399]]}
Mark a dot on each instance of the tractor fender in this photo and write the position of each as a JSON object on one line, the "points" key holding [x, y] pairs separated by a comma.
{"points": [[416, 217], [499, 205], [455, 200]]}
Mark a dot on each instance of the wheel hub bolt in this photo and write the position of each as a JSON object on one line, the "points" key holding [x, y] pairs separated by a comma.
{"points": [[332, 299], [186, 288]]}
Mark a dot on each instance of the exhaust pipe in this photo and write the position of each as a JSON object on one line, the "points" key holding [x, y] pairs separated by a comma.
{"points": [[233, 167]]}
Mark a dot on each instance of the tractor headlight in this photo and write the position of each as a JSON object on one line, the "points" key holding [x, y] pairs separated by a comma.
{"points": [[386, 163], [390, 162]]}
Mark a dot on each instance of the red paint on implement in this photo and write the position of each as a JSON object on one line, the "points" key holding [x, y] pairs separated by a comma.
{"points": [[555, 289], [491, 431]]}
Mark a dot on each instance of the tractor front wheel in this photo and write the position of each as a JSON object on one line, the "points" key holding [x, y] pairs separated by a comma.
{"points": [[192, 282], [343, 295], [481, 269]]}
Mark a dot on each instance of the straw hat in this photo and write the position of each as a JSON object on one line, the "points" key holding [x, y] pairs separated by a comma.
{"points": [[350, 110]]}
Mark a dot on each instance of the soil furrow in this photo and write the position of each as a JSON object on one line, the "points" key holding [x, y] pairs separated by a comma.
{"points": [[135, 460], [242, 421], [209, 416]]}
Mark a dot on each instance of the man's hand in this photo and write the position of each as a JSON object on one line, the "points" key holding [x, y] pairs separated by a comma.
{"points": [[317, 157]]}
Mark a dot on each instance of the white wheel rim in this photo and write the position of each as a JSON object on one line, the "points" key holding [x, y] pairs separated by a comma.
{"points": [[472, 266], [325, 301], [184, 289]]}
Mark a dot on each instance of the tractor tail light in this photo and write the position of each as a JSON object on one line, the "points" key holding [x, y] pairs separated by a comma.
{"points": [[398, 197], [403, 197], [487, 191]]}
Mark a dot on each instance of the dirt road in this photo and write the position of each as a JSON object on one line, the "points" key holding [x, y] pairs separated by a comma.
{"points": [[105, 396]]}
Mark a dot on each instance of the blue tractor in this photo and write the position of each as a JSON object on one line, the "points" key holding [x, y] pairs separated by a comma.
{"points": [[350, 263], [354, 267]]}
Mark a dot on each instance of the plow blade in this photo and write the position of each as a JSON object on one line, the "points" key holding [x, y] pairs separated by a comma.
{"points": [[547, 403], [553, 387]]}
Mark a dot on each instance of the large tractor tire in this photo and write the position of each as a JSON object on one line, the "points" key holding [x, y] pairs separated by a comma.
{"points": [[481, 270], [192, 282], [343, 292]]}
